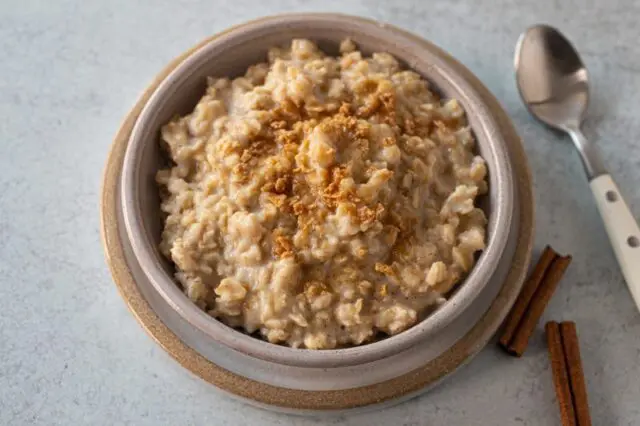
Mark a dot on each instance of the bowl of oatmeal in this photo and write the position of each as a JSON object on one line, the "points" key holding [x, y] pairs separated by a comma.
{"points": [[327, 195]]}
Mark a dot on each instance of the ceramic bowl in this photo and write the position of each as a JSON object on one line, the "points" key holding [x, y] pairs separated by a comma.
{"points": [[229, 55]]}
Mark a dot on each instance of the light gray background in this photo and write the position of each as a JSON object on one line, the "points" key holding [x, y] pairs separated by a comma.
{"points": [[71, 353]]}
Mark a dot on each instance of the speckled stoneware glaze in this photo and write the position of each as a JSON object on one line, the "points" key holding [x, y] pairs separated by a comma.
{"points": [[293, 379], [230, 55]]}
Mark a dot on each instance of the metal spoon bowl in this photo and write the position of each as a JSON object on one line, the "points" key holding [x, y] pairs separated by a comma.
{"points": [[554, 85]]}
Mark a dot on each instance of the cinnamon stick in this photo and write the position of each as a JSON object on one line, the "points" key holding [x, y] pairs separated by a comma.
{"points": [[568, 376], [538, 304], [532, 301], [524, 299], [576, 373], [560, 374]]}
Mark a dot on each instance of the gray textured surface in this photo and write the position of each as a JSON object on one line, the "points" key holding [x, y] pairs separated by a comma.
{"points": [[70, 352]]}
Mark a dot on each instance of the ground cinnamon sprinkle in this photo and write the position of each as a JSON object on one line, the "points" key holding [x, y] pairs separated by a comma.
{"points": [[384, 269], [282, 245]]}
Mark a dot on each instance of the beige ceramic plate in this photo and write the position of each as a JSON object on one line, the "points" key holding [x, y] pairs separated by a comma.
{"points": [[283, 396]]}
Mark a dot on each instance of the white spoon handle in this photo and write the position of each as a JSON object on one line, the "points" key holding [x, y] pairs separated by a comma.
{"points": [[622, 228]]}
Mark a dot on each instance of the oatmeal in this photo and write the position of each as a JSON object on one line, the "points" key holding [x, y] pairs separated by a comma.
{"points": [[320, 200]]}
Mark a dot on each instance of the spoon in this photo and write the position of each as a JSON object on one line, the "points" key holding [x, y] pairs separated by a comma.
{"points": [[554, 84]]}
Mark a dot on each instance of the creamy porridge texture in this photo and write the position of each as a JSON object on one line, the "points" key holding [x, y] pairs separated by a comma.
{"points": [[319, 200]]}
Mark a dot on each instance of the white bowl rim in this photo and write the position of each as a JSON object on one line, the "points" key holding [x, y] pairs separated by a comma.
{"points": [[500, 218]]}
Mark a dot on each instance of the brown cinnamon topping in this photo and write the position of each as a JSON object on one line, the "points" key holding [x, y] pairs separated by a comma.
{"points": [[384, 269], [315, 288], [282, 245], [278, 124]]}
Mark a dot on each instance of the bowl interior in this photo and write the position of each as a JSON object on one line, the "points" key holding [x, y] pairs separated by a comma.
{"points": [[230, 55]]}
